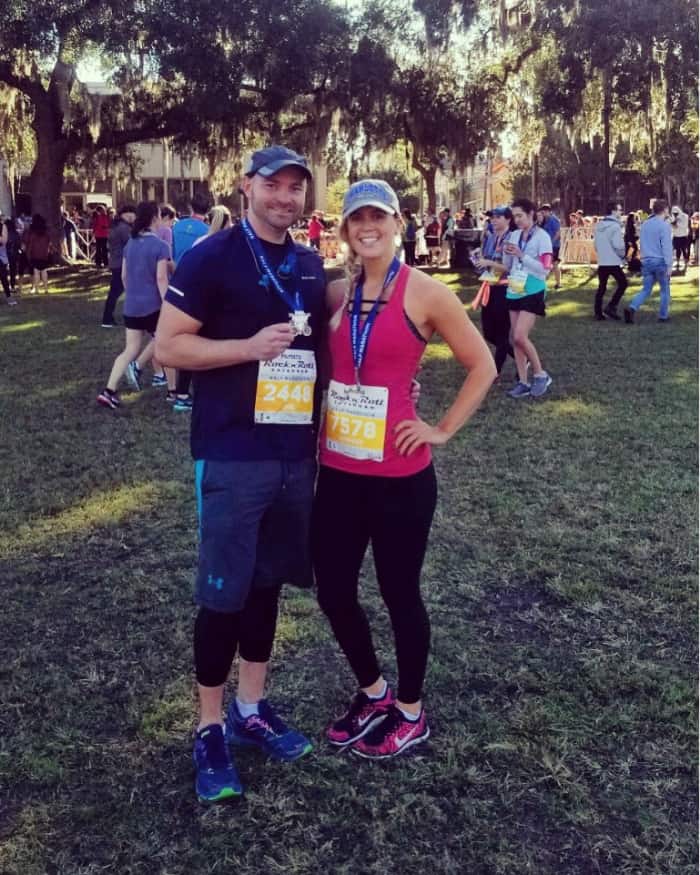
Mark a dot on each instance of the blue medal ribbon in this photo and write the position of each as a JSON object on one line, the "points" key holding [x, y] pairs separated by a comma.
{"points": [[287, 270], [527, 239], [359, 337]]}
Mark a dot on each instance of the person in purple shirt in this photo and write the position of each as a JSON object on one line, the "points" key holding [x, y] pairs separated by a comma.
{"points": [[655, 242]]}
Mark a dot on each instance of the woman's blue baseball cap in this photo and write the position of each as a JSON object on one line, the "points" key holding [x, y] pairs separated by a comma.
{"points": [[370, 193]]}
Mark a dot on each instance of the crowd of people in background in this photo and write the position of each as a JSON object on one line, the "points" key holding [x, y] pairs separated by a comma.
{"points": [[245, 314], [511, 246]]}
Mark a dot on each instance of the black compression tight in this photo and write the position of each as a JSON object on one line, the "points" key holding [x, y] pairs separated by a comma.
{"points": [[394, 514], [251, 631]]}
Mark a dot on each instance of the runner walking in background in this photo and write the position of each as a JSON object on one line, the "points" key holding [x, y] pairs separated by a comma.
{"points": [[119, 235], [610, 250], [37, 247], [552, 226], [495, 318], [377, 483], [657, 262], [528, 260], [145, 278], [185, 233]]}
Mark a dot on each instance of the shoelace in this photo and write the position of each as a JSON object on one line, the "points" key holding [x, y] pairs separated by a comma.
{"points": [[215, 750]]}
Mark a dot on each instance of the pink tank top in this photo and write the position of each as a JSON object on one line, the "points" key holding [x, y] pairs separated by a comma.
{"points": [[391, 361]]}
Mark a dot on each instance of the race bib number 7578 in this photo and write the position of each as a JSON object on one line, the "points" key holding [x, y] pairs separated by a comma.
{"points": [[356, 420]]}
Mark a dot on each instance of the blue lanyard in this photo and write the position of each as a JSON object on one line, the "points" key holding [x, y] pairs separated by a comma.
{"points": [[286, 270], [360, 338], [494, 245], [527, 239]]}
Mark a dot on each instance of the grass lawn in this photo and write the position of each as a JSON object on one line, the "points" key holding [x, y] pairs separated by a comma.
{"points": [[561, 583]]}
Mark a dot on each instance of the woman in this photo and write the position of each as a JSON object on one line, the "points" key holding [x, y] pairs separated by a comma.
{"points": [[432, 240], [218, 218], [165, 231], [495, 320], [100, 228], [528, 260], [409, 238], [13, 247], [145, 278], [38, 248], [631, 244], [376, 482], [5, 265]]}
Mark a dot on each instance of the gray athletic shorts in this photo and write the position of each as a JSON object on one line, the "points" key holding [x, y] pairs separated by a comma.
{"points": [[254, 527]]}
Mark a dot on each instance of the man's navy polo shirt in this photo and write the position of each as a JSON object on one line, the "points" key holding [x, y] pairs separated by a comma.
{"points": [[218, 283]]}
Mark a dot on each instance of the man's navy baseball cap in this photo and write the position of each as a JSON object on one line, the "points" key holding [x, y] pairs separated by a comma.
{"points": [[270, 160]]}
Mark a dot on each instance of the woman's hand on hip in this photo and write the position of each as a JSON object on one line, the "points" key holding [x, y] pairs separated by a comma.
{"points": [[413, 433]]}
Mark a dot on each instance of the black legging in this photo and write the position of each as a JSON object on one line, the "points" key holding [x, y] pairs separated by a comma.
{"points": [[101, 252], [251, 631], [395, 514], [5, 279], [495, 323]]}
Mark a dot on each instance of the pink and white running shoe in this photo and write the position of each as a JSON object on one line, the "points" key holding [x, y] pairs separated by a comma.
{"points": [[361, 717], [393, 736]]}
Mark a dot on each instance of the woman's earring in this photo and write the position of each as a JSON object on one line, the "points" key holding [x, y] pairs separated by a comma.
{"points": [[397, 240]]}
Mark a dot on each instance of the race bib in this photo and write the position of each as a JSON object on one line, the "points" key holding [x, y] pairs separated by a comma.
{"points": [[488, 277], [285, 391], [517, 279], [356, 420]]}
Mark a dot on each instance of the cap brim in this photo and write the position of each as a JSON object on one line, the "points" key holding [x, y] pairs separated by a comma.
{"points": [[369, 202], [276, 166]]}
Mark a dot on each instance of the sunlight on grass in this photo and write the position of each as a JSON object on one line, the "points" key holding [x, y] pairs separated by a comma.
{"points": [[576, 407], [439, 351], [567, 308], [683, 377], [102, 509], [24, 326]]}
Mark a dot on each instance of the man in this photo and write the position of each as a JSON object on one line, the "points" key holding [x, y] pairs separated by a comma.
{"points": [[610, 250], [680, 227], [552, 226], [184, 234], [657, 261], [447, 237], [119, 235], [245, 311], [191, 228]]}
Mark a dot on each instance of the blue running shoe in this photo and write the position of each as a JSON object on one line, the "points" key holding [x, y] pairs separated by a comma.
{"points": [[267, 731], [540, 385], [217, 777], [520, 390], [183, 403]]}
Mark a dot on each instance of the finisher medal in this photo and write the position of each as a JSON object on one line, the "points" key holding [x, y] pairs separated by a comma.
{"points": [[299, 321]]}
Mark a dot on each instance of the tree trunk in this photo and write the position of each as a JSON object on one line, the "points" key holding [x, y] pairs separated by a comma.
{"points": [[535, 181], [429, 177], [607, 112], [46, 180], [427, 172]]}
